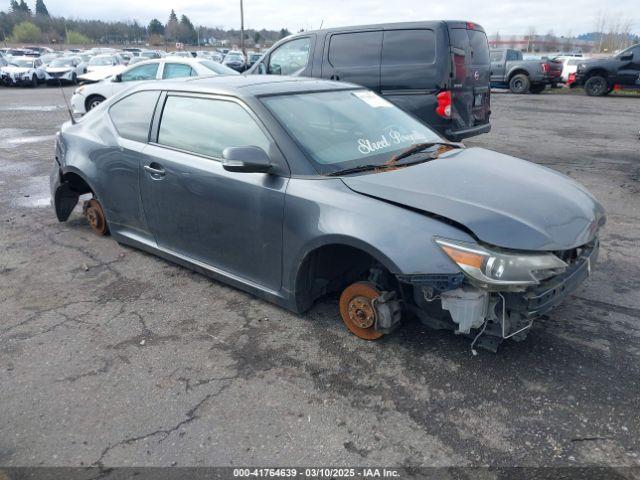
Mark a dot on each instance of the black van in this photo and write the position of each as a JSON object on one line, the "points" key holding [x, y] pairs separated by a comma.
{"points": [[439, 71]]}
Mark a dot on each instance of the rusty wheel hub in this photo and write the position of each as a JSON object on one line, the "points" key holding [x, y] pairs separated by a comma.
{"points": [[357, 310], [95, 216]]}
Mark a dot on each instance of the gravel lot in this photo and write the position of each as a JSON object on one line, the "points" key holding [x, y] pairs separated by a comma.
{"points": [[110, 356]]}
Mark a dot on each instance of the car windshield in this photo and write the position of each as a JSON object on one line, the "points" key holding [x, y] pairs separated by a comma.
{"points": [[102, 61], [347, 128], [62, 62], [18, 62], [218, 68], [233, 58]]}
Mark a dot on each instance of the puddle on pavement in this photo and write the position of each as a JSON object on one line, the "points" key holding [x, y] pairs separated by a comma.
{"points": [[33, 108], [15, 137]]}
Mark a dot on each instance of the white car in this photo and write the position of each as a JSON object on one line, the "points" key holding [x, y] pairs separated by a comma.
{"points": [[569, 66], [90, 96], [103, 66], [27, 71], [64, 70]]}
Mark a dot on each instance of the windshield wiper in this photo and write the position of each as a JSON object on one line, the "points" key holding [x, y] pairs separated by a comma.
{"points": [[359, 168], [418, 147]]}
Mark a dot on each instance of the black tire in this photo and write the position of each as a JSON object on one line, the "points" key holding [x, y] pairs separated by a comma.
{"points": [[34, 81], [596, 86], [93, 101], [519, 84], [537, 89]]}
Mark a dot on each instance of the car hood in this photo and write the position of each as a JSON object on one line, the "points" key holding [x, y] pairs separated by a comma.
{"points": [[58, 69], [502, 200], [10, 69]]}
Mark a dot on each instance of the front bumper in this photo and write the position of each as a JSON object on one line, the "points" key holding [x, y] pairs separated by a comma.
{"points": [[539, 300]]}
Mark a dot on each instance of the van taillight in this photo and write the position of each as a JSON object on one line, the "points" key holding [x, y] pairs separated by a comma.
{"points": [[444, 104], [545, 68]]}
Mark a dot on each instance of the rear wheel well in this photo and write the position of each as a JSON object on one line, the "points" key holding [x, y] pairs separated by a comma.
{"points": [[331, 268], [517, 72], [76, 183]]}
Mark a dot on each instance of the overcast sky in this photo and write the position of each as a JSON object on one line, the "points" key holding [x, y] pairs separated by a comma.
{"points": [[507, 16]]}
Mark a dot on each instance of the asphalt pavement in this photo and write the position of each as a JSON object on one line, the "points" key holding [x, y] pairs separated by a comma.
{"points": [[110, 356]]}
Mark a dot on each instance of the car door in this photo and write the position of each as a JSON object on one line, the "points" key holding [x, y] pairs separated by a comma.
{"points": [[629, 69], [353, 57], [119, 166], [229, 221]]}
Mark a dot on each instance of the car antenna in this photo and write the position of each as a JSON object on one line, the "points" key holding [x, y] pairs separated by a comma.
{"points": [[66, 102]]}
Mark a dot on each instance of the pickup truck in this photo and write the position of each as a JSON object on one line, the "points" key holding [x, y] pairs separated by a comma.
{"points": [[603, 75], [509, 69]]}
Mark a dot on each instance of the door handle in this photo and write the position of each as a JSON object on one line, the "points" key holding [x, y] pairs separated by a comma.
{"points": [[155, 169], [335, 77]]}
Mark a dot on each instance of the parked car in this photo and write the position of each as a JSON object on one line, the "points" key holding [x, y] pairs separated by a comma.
{"points": [[3, 77], [437, 71], [235, 60], [569, 67], [600, 76], [552, 65], [150, 54], [509, 69], [293, 189], [64, 70], [25, 71], [90, 96], [103, 66], [253, 58]]}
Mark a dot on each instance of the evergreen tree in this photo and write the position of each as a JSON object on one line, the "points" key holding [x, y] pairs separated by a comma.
{"points": [[156, 27], [171, 29], [24, 8], [14, 7], [186, 31], [41, 8]]}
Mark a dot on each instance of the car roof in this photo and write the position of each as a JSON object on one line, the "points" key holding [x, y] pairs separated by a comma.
{"points": [[247, 85]]}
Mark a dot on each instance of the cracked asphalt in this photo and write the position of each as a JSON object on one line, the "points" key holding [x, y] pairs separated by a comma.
{"points": [[113, 357]]}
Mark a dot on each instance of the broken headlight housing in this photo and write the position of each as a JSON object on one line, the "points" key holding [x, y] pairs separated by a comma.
{"points": [[497, 268]]}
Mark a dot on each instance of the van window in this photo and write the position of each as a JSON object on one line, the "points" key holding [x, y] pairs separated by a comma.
{"points": [[290, 58], [132, 115], [460, 40], [358, 49], [408, 47], [206, 126], [479, 47]]}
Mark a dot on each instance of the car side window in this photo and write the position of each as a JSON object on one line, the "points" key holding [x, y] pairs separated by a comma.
{"points": [[408, 47], [290, 58], [177, 70], [359, 49], [207, 126], [132, 115], [143, 72]]}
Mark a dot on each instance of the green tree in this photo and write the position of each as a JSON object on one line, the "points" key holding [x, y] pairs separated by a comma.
{"points": [[24, 8], [77, 38], [171, 29], [26, 32], [284, 33], [41, 9], [257, 37], [14, 7], [156, 27], [186, 31]]}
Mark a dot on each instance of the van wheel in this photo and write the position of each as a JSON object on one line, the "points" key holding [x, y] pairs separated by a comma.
{"points": [[519, 83], [596, 86], [357, 310], [92, 210]]}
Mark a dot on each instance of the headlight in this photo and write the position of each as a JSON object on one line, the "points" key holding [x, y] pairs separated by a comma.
{"points": [[497, 268]]}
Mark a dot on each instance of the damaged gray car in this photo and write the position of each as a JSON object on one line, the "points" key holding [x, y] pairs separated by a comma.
{"points": [[293, 189]]}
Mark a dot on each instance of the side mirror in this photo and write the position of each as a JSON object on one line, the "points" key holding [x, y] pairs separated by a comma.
{"points": [[117, 78], [246, 159], [626, 58]]}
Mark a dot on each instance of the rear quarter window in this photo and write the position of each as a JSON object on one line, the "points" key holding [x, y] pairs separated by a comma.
{"points": [[479, 47], [132, 115]]}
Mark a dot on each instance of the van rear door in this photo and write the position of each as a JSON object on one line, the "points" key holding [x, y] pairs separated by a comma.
{"points": [[470, 83]]}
